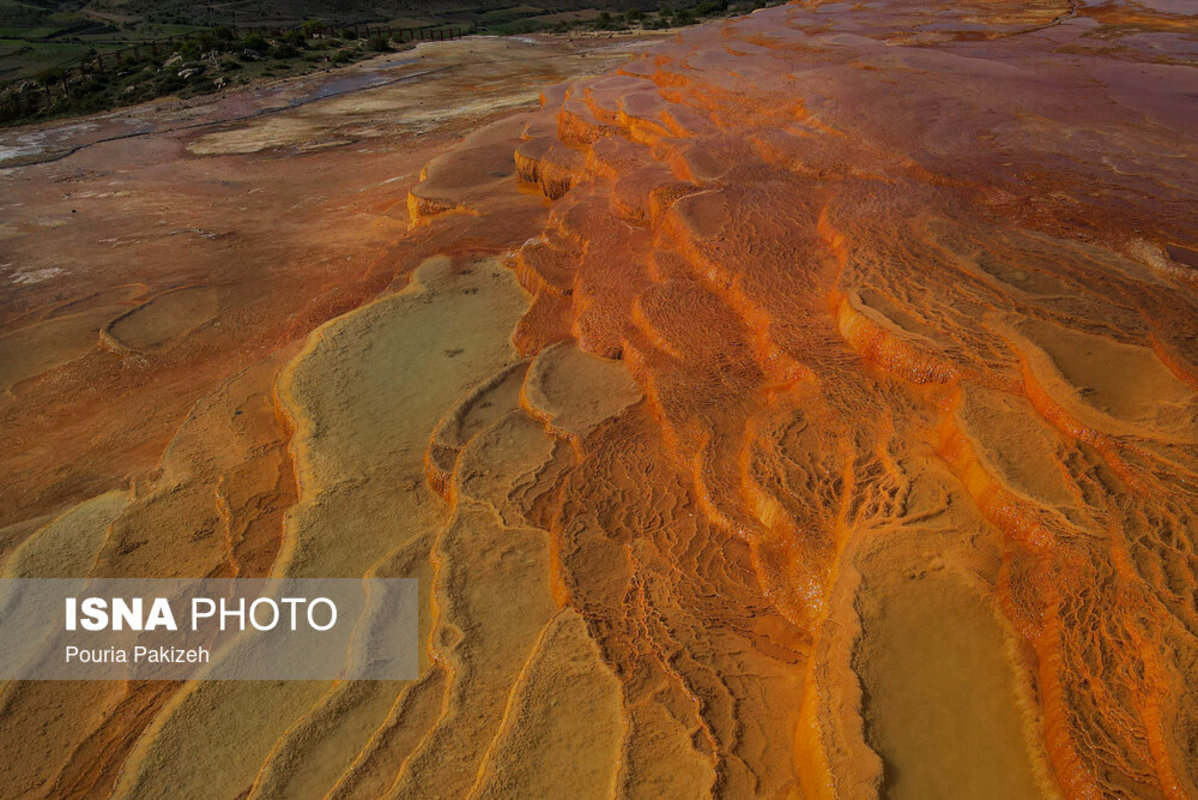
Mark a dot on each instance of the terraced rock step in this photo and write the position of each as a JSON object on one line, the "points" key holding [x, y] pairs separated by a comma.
{"points": [[896, 344]]}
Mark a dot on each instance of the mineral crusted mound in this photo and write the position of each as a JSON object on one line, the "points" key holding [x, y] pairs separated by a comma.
{"points": [[808, 408], [911, 501]]}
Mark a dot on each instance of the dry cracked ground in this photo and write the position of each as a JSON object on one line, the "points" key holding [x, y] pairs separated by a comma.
{"points": [[800, 405]]}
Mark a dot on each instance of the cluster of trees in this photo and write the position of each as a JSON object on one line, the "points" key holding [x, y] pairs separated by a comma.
{"points": [[215, 57], [205, 62], [665, 17], [668, 15]]}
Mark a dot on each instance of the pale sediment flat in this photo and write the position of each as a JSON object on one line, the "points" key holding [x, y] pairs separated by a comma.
{"points": [[336, 444], [364, 396]]}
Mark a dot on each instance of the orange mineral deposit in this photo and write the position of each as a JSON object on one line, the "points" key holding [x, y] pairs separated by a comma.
{"points": [[803, 404]]}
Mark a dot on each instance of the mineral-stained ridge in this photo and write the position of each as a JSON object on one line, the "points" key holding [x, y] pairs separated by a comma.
{"points": [[911, 501], [843, 442]]}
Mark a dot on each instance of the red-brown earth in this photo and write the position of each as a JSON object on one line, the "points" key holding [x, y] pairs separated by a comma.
{"points": [[806, 408]]}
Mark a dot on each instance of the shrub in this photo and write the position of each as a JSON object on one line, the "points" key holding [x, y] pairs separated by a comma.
{"points": [[380, 44], [254, 41], [207, 40], [51, 75], [710, 7], [202, 84], [168, 82], [17, 106]]}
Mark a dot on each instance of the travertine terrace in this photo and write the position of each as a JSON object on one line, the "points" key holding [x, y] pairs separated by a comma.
{"points": [[807, 407]]}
